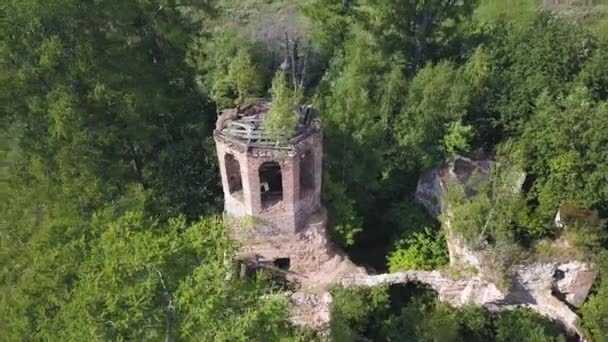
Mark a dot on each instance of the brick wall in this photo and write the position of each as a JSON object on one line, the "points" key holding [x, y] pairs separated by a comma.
{"points": [[289, 214]]}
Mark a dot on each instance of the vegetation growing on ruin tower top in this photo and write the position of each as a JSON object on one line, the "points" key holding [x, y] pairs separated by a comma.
{"points": [[282, 119], [107, 107]]}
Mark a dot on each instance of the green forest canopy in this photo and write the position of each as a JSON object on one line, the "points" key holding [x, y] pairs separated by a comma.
{"points": [[110, 187]]}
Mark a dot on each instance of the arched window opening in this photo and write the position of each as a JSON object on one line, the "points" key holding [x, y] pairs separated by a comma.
{"points": [[233, 174], [307, 174], [271, 183]]}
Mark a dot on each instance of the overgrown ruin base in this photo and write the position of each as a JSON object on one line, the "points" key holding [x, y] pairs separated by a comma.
{"points": [[552, 289], [310, 260], [272, 200], [534, 286], [316, 266]]}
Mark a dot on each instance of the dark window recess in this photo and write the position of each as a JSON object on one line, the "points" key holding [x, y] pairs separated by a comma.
{"points": [[233, 173], [271, 183], [282, 263], [307, 174]]}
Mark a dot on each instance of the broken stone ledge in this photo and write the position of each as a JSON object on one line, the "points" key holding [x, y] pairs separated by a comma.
{"points": [[533, 286]]}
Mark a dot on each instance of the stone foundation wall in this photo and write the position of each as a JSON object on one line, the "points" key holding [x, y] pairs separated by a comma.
{"points": [[308, 250]]}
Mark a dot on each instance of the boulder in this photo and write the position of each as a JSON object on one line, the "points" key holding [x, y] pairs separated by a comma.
{"points": [[573, 281]]}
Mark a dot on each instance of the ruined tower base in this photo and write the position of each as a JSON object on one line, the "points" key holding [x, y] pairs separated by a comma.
{"points": [[307, 257]]}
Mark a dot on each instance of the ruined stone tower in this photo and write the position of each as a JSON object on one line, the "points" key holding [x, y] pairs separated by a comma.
{"points": [[272, 206], [273, 211], [277, 185]]}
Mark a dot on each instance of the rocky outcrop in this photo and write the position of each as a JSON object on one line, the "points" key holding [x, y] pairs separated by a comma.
{"points": [[432, 184], [430, 193], [534, 286], [460, 254], [552, 289], [573, 281]]}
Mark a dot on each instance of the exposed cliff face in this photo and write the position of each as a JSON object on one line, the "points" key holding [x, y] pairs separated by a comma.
{"points": [[552, 289], [430, 193]]}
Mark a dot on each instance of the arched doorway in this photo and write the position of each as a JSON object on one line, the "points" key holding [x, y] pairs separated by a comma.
{"points": [[271, 183], [233, 175]]}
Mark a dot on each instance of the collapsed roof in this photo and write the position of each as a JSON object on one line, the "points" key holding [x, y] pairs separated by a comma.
{"points": [[246, 123]]}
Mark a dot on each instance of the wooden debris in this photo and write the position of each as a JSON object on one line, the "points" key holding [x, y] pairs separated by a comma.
{"points": [[246, 123]]}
